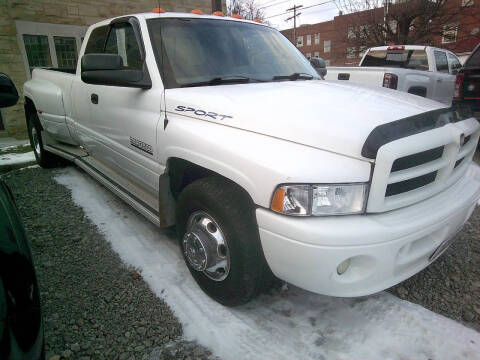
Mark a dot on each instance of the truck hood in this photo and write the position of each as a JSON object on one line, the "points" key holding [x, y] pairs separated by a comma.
{"points": [[326, 115]]}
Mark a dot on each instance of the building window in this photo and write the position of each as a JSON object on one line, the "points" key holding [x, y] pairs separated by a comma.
{"points": [[350, 33], [299, 41], [327, 62], [449, 34], [350, 52], [467, 3], [308, 56], [393, 24], [309, 40], [327, 44], [53, 45], [316, 54], [317, 39], [66, 49], [38, 51]]}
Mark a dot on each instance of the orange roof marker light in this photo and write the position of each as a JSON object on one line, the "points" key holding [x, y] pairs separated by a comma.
{"points": [[158, 11], [258, 20], [218, 13], [237, 16], [197, 12]]}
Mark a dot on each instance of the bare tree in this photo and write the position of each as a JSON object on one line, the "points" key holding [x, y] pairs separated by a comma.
{"points": [[248, 9], [380, 22]]}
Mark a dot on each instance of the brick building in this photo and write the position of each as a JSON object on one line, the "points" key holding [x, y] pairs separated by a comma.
{"points": [[49, 33], [329, 40]]}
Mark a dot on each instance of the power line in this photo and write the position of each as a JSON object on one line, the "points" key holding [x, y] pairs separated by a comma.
{"points": [[274, 4], [306, 7]]}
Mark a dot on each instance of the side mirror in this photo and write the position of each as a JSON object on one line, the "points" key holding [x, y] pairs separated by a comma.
{"points": [[107, 69], [319, 65], [8, 92]]}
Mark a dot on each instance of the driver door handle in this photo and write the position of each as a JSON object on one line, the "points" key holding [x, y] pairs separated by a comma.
{"points": [[94, 98]]}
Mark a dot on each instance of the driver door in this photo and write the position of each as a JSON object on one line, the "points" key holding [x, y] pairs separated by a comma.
{"points": [[122, 123]]}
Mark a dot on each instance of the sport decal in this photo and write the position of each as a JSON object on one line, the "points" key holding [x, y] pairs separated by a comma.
{"points": [[198, 112]]}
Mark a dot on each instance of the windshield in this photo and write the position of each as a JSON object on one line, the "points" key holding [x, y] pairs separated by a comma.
{"points": [[408, 59], [205, 52]]}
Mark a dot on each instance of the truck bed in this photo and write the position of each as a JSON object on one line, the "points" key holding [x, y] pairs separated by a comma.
{"points": [[51, 89]]}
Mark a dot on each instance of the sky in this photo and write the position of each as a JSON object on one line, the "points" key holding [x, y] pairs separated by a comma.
{"points": [[313, 15]]}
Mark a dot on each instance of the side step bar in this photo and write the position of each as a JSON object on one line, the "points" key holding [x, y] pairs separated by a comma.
{"points": [[80, 157], [118, 190]]}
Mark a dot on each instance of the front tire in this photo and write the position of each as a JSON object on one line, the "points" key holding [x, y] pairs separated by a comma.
{"points": [[44, 158], [220, 243]]}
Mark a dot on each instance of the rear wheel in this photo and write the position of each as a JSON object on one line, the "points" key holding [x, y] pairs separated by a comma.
{"points": [[220, 243], [44, 158]]}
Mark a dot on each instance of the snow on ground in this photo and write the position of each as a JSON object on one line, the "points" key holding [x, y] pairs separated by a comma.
{"points": [[29, 167], [13, 158], [287, 325], [9, 143]]}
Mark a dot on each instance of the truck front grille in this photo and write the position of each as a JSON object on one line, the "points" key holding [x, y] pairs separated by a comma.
{"points": [[421, 158], [411, 184], [416, 167]]}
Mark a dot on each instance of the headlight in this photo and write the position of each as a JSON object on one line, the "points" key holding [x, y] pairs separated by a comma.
{"points": [[319, 199]]}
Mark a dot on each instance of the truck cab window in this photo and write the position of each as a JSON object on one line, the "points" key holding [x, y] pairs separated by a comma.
{"points": [[441, 61], [121, 41], [454, 63], [96, 41], [407, 59]]}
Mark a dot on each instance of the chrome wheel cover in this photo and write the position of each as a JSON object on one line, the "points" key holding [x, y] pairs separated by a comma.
{"points": [[35, 141], [205, 247]]}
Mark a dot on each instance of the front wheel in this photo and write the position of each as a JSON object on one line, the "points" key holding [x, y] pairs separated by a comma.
{"points": [[218, 235]]}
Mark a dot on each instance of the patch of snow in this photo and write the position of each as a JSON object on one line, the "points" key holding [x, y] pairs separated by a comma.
{"points": [[29, 167], [12, 158], [290, 324], [12, 144]]}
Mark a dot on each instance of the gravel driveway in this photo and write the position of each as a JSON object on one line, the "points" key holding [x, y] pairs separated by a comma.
{"points": [[96, 308]]}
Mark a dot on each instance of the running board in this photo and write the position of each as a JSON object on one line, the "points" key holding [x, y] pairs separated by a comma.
{"points": [[107, 178], [118, 190], [69, 152]]}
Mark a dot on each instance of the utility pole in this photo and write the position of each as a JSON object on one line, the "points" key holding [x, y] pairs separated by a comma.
{"points": [[294, 17]]}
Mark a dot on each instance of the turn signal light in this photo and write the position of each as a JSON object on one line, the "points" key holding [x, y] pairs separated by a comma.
{"points": [[158, 11], [257, 20], [197, 12], [277, 201], [237, 16], [218, 13]]}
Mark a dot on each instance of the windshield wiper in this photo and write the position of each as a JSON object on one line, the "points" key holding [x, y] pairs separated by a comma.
{"points": [[294, 77], [223, 81]]}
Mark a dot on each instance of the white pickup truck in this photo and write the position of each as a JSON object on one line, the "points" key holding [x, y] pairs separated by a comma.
{"points": [[221, 127], [420, 70]]}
